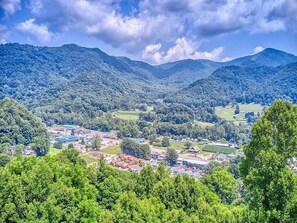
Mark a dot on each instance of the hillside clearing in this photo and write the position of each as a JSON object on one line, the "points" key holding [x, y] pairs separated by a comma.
{"points": [[227, 112], [218, 149]]}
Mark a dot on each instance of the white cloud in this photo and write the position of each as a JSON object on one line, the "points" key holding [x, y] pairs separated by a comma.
{"points": [[40, 32], [163, 20], [103, 20], [10, 6], [183, 49], [258, 49], [151, 53]]}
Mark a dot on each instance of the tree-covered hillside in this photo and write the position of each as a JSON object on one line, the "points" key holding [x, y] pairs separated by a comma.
{"points": [[77, 85], [242, 85], [72, 80], [19, 127], [182, 73]]}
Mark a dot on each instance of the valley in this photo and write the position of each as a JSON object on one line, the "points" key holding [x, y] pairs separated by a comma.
{"points": [[177, 138]]}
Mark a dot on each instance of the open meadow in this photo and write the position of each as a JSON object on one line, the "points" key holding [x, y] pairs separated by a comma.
{"points": [[227, 112]]}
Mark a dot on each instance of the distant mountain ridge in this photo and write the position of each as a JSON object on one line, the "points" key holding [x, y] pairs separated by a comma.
{"points": [[260, 84], [55, 81], [180, 73], [174, 74]]}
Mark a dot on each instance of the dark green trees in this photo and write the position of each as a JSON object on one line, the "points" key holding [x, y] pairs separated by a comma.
{"points": [[134, 149], [267, 169], [19, 126], [48, 189], [165, 142], [58, 145], [171, 156], [41, 146], [223, 184]]}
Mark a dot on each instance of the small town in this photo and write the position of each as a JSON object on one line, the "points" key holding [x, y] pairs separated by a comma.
{"points": [[190, 161]]}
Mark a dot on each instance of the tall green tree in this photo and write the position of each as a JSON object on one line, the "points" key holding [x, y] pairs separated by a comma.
{"points": [[223, 184], [165, 142], [266, 169], [96, 142], [171, 156], [40, 146], [145, 182]]}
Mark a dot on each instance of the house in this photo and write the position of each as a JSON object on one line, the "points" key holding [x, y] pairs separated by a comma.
{"points": [[70, 127], [194, 150], [82, 131], [161, 157], [132, 167], [194, 163], [139, 141], [113, 162]]}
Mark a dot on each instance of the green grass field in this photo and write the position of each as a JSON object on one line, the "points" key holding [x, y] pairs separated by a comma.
{"points": [[127, 115], [178, 145], [112, 150], [228, 111], [54, 151], [131, 115], [218, 149]]}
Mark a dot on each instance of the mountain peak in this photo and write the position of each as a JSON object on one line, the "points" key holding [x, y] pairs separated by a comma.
{"points": [[273, 51]]}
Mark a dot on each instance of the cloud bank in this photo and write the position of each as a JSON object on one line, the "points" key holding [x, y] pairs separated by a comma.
{"points": [[160, 30], [10, 6], [40, 32]]}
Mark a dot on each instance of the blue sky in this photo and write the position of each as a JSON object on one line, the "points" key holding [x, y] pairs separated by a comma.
{"points": [[155, 31]]}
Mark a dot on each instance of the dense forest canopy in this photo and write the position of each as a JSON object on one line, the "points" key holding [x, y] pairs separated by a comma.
{"points": [[51, 82], [62, 188], [72, 192], [19, 127]]}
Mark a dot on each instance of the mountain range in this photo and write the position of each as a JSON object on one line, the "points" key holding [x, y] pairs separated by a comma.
{"points": [[70, 79]]}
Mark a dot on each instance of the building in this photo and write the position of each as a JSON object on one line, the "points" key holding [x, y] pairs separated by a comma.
{"points": [[194, 150], [66, 139], [70, 127], [82, 131], [194, 163]]}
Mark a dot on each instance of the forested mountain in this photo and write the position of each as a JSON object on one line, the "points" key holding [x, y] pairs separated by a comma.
{"points": [[182, 73], [74, 83], [241, 84], [72, 79], [268, 57]]}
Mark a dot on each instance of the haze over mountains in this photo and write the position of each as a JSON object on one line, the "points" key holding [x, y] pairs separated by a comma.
{"points": [[67, 77]]}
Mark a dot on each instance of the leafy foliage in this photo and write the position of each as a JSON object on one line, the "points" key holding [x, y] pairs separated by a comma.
{"points": [[62, 188], [19, 127], [267, 168], [171, 156], [241, 85], [132, 148]]}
